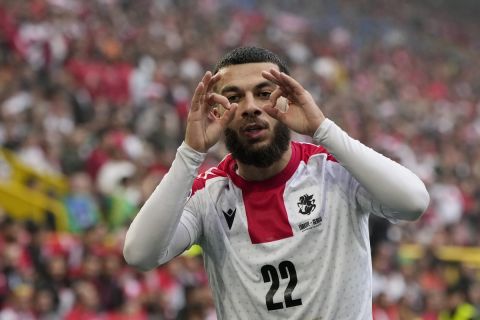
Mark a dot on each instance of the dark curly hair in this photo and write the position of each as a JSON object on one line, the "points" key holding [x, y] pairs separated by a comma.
{"points": [[244, 55]]}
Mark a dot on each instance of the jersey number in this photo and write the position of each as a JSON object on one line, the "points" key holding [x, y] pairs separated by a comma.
{"points": [[270, 274]]}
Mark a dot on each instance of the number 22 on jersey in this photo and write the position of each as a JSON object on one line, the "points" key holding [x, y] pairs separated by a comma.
{"points": [[270, 274]]}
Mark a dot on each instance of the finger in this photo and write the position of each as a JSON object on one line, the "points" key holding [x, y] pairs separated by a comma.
{"points": [[273, 112], [199, 94], [281, 80], [269, 76], [296, 87], [213, 80], [275, 76], [228, 115], [215, 98], [277, 93], [206, 78], [197, 97], [212, 116]]}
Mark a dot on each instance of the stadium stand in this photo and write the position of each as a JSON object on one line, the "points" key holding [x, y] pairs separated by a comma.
{"points": [[93, 100]]}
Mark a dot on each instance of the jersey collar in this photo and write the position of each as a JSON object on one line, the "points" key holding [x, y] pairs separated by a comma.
{"points": [[229, 166]]}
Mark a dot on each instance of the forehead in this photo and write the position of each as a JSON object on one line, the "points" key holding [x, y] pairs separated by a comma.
{"points": [[243, 75]]}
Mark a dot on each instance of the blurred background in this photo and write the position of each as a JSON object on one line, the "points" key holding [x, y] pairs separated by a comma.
{"points": [[93, 100]]}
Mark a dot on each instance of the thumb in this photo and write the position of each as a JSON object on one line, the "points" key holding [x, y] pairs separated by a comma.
{"points": [[272, 111], [275, 113]]}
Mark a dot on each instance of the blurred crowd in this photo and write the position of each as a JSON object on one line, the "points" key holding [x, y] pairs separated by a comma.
{"points": [[99, 90]]}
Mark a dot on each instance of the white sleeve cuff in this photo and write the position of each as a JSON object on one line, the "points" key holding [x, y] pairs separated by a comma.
{"points": [[322, 130], [191, 158]]}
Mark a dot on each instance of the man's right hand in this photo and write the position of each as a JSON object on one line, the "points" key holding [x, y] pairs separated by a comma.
{"points": [[204, 126]]}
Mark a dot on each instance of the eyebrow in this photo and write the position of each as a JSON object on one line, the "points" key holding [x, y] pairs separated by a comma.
{"points": [[261, 85]]}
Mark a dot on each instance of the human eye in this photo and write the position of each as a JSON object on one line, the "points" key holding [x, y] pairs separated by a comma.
{"points": [[264, 94], [233, 98]]}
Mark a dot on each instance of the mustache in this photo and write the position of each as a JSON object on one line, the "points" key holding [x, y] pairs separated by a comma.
{"points": [[260, 157], [254, 123]]}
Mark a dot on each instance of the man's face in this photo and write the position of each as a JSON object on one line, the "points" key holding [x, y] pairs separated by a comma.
{"points": [[253, 137]]}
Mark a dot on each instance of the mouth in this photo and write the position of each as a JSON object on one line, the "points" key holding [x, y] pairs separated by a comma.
{"points": [[254, 131]]}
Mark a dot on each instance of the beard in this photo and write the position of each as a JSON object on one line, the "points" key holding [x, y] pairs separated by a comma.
{"points": [[263, 156]]}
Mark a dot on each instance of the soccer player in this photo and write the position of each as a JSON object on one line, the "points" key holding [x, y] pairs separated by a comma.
{"points": [[283, 224]]}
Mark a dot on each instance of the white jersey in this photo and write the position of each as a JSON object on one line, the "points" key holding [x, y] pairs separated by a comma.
{"points": [[295, 246]]}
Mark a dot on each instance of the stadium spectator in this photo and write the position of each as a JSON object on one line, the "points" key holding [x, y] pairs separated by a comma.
{"points": [[399, 76]]}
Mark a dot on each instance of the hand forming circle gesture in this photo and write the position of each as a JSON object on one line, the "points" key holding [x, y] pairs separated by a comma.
{"points": [[204, 127], [302, 114]]}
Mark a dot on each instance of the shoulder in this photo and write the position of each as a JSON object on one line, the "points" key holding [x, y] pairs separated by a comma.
{"points": [[214, 173], [306, 151]]}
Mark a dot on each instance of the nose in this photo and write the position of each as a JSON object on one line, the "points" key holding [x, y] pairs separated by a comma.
{"points": [[250, 107]]}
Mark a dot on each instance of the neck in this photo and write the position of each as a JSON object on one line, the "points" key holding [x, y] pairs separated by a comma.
{"points": [[253, 173]]}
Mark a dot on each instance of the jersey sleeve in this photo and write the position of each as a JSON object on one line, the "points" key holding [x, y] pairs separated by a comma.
{"points": [[191, 216], [157, 233], [188, 230], [180, 242], [385, 187], [369, 204]]}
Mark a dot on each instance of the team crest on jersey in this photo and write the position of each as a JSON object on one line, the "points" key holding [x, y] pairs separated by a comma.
{"points": [[306, 204], [229, 216]]}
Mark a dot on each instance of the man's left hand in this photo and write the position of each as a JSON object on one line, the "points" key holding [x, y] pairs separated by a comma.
{"points": [[302, 115]]}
